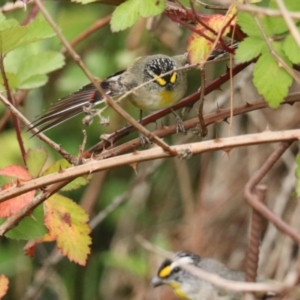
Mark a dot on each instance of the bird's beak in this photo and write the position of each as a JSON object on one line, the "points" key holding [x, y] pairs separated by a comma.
{"points": [[156, 281]]}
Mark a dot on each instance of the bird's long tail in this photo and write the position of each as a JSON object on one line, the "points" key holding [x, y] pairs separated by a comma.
{"points": [[73, 105]]}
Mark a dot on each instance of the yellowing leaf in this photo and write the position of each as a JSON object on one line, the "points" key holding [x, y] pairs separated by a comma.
{"points": [[3, 285], [61, 165], [67, 224], [201, 43]]}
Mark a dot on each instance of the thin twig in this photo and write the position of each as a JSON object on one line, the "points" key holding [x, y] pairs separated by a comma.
{"points": [[265, 11], [98, 24], [289, 21], [14, 111]]}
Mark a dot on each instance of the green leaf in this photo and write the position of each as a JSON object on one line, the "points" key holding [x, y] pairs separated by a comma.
{"points": [[271, 80], [13, 80], [278, 24], [59, 166], [125, 15], [11, 38], [249, 48], [31, 227], [8, 24], [41, 63], [17, 36], [30, 66], [150, 8], [33, 67], [248, 25], [291, 49], [35, 161], [33, 82]]}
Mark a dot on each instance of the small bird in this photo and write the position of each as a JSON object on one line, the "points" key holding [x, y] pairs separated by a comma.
{"points": [[167, 84], [162, 92], [188, 286]]}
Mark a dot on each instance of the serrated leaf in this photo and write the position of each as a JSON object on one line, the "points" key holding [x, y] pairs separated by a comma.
{"points": [[11, 38], [125, 15], [67, 224], [17, 36], [271, 80], [150, 8], [30, 66], [248, 25], [278, 24], [33, 82], [35, 161], [291, 49], [248, 49], [38, 30], [40, 63], [61, 165], [29, 228], [4, 283]]}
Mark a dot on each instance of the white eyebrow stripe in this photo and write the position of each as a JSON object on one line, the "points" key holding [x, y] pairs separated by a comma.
{"points": [[181, 261]]}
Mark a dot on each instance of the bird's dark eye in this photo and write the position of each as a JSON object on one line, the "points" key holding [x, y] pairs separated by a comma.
{"points": [[176, 269]]}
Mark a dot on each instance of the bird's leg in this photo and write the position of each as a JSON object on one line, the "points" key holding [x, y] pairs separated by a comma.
{"points": [[179, 123], [144, 140]]}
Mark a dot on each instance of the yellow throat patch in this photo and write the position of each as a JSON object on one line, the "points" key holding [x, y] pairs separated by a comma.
{"points": [[179, 293], [167, 98]]}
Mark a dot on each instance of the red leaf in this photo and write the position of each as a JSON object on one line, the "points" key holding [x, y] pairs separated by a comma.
{"points": [[16, 171], [11, 206]]}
